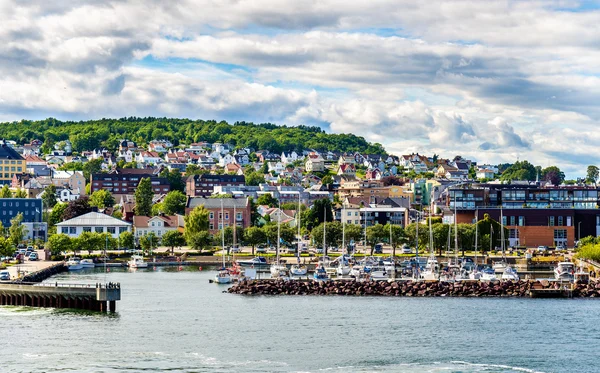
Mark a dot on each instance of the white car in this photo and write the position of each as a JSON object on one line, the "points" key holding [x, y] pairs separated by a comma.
{"points": [[542, 248], [406, 250]]}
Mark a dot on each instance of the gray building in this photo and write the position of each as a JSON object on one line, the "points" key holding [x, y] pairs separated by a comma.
{"points": [[31, 208]]}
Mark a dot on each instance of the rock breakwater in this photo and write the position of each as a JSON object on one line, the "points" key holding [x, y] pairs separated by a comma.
{"points": [[411, 288]]}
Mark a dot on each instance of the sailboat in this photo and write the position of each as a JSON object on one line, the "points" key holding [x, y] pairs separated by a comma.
{"points": [[343, 268], [500, 266], [320, 272], [432, 267], [475, 274], [223, 276], [235, 270], [508, 273], [298, 269], [279, 270]]}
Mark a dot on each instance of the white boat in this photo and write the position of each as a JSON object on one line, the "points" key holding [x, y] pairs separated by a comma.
{"points": [[510, 274], [256, 262], [474, 273], [564, 271], [223, 276], [320, 272], [488, 274], [499, 267], [87, 263], [74, 264], [379, 274], [431, 270], [137, 261], [298, 269], [279, 270]]}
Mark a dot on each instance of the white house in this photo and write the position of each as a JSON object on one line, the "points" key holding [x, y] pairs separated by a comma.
{"points": [[485, 174], [314, 163], [158, 225], [148, 158], [226, 159], [93, 222], [277, 167]]}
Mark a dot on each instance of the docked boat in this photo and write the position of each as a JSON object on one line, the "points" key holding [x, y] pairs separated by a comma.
{"points": [[137, 261], [379, 273], [499, 267], [488, 274], [87, 263], [223, 276], [298, 269], [564, 271], [74, 264], [256, 262], [431, 270], [320, 274], [510, 274]]}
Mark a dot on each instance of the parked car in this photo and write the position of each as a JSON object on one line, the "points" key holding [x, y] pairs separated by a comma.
{"points": [[33, 257], [406, 249], [4, 276], [261, 249], [29, 248], [560, 247], [236, 249], [542, 248], [378, 248]]}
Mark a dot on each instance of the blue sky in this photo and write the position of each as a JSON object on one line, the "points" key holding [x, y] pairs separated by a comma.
{"points": [[495, 81]]}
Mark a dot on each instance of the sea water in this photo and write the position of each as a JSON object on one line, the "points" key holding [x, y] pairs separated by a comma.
{"points": [[173, 319]]}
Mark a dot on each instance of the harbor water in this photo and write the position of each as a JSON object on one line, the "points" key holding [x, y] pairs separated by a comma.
{"points": [[174, 320]]}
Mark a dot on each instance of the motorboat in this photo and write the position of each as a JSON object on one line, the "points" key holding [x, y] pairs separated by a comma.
{"points": [[298, 270], [475, 274], [87, 263], [431, 269], [320, 274], [277, 268], [564, 271], [488, 274], [223, 276], [389, 264], [510, 274], [499, 267], [137, 261], [74, 264], [379, 274], [256, 262]]}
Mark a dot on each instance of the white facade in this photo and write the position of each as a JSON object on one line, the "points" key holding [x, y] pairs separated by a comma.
{"points": [[93, 222]]}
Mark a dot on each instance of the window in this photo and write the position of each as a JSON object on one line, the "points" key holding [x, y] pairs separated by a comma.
{"points": [[211, 215], [226, 216], [239, 216], [521, 221], [87, 229], [64, 230], [568, 221], [211, 226], [99, 229], [560, 221], [551, 221], [560, 234], [111, 230], [72, 230], [512, 220], [122, 229], [153, 224], [504, 220]]}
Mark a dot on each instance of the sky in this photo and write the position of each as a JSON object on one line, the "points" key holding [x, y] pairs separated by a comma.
{"points": [[494, 81]]}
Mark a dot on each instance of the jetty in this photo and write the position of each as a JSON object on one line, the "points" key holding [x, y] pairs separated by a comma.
{"points": [[469, 288]]}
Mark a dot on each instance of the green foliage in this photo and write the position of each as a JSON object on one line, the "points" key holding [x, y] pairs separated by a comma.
{"points": [[397, 233], [592, 174], [126, 240], [375, 234], [6, 246], [91, 167], [89, 241], [553, 174], [423, 236], [333, 234], [521, 170], [76, 208], [354, 232], [320, 210], [196, 228], [173, 203], [49, 196], [148, 242], [327, 180], [16, 230], [102, 199], [589, 251], [5, 192], [254, 236], [172, 239], [287, 233], [143, 198], [175, 179], [267, 199], [87, 135], [58, 243], [254, 178], [20, 193], [56, 215]]}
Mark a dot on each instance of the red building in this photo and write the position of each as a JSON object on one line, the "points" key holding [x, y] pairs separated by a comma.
{"points": [[126, 181], [235, 211]]}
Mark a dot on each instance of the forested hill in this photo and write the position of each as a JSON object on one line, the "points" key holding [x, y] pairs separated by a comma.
{"points": [[87, 135]]}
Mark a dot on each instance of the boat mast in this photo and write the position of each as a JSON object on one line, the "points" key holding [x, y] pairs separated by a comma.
{"points": [[278, 229], [222, 234], [476, 233], [234, 233], [502, 233], [430, 224], [343, 230], [298, 222], [324, 232], [455, 230]]}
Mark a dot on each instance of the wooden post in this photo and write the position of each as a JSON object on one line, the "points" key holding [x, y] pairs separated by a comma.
{"points": [[113, 306]]}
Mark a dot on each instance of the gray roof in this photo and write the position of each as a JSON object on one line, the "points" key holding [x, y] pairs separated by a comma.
{"points": [[213, 203], [6, 152], [94, 219]]}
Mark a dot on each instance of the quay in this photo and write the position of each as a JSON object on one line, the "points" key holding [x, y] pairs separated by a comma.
{"points": [[78, 296]]}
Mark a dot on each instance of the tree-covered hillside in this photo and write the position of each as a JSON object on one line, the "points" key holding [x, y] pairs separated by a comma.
{"points": [[87, 135]]}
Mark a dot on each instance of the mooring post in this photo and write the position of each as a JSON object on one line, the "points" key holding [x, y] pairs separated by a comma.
{"points": [[113, 306]]}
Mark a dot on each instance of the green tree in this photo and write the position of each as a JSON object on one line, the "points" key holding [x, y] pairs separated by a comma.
{"points": [[5, 192], [77, 207], [411, 233], [143, 198], [175, 179], [126, 240], [56, 214], [397, 235], [102, 199], [255, 178], [254, 236], [49, 196], [287, 233], [553, 174], [196, 228], [354, 232], [174, 203], [58, 243], [375, 234], [173, 238], [93, 166], [592, 174], [17, 230], [148, 242], [333, 234], [267, 199], [6, 246], [521, 170], [327, 180], [20, 193], [88, 241]]}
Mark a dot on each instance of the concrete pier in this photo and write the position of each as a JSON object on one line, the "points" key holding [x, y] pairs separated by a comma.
{"points": [[94, 297]]}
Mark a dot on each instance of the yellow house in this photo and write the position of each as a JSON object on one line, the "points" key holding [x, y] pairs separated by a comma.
{"points": [[11, 163]]}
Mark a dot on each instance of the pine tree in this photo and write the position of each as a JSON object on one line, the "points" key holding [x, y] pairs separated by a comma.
{"points": [[143, 198]]}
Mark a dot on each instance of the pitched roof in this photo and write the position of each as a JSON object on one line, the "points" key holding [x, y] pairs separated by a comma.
{"points": [[94, 219], [142, 221], [6, 152], [213, 203]]}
